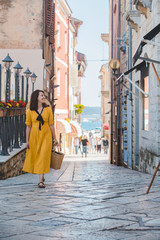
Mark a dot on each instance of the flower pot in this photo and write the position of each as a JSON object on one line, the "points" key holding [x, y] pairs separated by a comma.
{"points": [[23, 111], [11, 112], [3, 112]]}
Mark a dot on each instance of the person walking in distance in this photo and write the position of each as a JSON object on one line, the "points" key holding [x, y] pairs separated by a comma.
{"points": [[93, 145], [90, 144], [76, 145], [99, 143], [39, 133], [105, 145], [84, 145], [96, 143]]}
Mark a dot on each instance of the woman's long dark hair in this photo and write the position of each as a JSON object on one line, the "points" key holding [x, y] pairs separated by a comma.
{"points": [[34, 100]]}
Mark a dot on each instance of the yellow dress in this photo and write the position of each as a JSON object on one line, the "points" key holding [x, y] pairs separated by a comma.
{"points": [[38, 157]]}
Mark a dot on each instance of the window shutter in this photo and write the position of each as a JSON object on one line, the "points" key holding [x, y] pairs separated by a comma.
{"points": [[48, 4], [51, 38]]}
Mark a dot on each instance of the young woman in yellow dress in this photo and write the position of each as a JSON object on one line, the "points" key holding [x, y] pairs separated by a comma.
{"points": [[39, 134]]}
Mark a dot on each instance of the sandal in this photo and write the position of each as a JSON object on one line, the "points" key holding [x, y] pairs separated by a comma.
{"points": [[41, 185]]}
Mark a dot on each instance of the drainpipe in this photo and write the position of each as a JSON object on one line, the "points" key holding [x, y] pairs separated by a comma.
{"points": [[0, 82], [112, 85], [53, 67], [130, 96], [68, 67]]}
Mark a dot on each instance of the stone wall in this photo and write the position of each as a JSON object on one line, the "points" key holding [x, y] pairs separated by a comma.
{"points": [[149, 141], [148, 161], [13, 166], [21, 24]]}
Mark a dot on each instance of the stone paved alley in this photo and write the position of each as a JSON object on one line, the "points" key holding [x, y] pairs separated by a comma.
{"points": [[87, 199]]}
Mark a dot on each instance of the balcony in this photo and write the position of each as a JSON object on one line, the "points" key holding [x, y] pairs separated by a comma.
{"points": [[74, 75], [134, 19], [105, 94], [105, 37], [143, 5]]}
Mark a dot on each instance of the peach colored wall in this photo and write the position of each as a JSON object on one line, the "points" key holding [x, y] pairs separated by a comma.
{"points": [[115, 28], [61, 60]]}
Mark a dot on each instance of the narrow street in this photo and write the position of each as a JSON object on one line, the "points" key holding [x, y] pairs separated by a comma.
{"points": [[87, 199]]}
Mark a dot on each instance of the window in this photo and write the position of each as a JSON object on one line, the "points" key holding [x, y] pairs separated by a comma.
{"points": [[65, 42], [145, 99], [146, 105], [58, 82], [66, 85], [58, 34]]}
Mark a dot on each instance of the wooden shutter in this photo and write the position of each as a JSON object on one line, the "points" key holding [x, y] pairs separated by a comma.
{"points": [[51, 38], [48, 4]]}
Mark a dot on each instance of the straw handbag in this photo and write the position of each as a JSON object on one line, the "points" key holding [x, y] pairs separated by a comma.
{"points": [[56, 159]]}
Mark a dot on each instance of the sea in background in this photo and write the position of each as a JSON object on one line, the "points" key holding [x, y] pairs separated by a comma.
{"points": [[91, 118]]}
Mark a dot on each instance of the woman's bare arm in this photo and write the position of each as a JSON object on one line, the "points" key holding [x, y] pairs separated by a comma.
{"points": [[53, 134], [28, 131]]}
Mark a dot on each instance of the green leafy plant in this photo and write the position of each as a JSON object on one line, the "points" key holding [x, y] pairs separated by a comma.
{"points": [[79, 108]]}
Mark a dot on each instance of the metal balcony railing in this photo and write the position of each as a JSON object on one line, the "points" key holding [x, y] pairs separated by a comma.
{"points": [[12, 129]]}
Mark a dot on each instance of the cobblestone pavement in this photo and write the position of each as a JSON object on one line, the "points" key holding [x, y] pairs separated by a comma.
{"points": [[87, 199]]}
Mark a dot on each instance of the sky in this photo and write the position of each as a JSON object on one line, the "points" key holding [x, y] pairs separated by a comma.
{"points": [[95, 17]]}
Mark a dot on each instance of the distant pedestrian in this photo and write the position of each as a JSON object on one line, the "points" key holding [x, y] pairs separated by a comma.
{"points": [[99, 145], [76, 145], [93, 145], [90, 144], [105, 145], [90, 134], [84, 142], [96, 142], [39, 133]]}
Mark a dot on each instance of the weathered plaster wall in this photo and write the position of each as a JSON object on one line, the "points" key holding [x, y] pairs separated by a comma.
{"points": [[149, 141], [21, 24]]}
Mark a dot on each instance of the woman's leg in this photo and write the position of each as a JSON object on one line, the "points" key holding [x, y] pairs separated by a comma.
{"points": [[41, 181], [86, 151], [97, 148], [41, 177], [82, 150]]}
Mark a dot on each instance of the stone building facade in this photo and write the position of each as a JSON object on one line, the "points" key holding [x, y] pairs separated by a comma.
{"points": [[147, 120], [105, 97], [139, 97]]}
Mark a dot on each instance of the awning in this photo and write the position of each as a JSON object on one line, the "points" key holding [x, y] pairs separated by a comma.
{"points": [[62, 126], [137, 67], [123, 75], [134, 84], [76, 128], [150, 35]]}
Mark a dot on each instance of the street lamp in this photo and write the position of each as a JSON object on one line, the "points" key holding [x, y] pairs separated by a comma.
{"points": [[27, 75], [114, 64], [33, 80], [18, 69], [7, 62]]}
